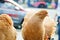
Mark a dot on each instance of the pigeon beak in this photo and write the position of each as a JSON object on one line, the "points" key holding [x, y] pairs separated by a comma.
{"points": [[47, 15]]}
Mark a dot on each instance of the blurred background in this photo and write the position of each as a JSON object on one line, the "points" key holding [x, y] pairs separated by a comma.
{"points": [[17, 9]]}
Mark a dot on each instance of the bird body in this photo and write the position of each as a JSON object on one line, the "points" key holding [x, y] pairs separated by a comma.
{"points": [[34, 29], [7, 31]]}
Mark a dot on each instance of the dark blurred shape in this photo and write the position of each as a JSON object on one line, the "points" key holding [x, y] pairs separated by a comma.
{"points": [[42, 6], [2, 1], [58, 25]]}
